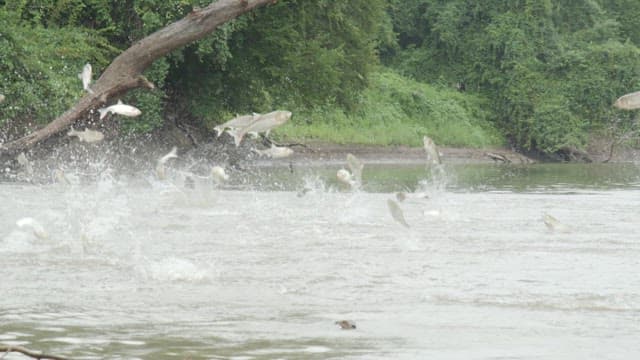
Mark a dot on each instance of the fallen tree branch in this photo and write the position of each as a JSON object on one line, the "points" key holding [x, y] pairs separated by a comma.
{"points": [[30, 353], [125, 72]]}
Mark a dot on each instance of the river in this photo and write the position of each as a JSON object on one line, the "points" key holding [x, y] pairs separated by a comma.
{"points": [[135, 268]]}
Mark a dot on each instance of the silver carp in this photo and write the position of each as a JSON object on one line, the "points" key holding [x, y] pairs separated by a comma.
{"points": [[85, 76], [629, 101], [432, 151], [235, 123], [275, 152], [263, 123], [121, 109], [396, 212], [87, 135]]}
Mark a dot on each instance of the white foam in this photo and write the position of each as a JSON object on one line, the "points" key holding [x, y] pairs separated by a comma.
{"points": [[174, 269]]}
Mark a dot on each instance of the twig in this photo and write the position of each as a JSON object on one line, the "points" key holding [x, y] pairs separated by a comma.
{"points": [[270, 142], [30, 353]]}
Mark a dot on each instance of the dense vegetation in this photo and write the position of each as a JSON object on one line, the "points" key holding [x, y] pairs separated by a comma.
{"points": [[539, 74]]}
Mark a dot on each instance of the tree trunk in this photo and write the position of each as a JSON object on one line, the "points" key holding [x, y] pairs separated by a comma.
{"points": [[125, 72]]}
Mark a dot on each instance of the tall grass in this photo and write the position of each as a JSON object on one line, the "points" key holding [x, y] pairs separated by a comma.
{"points": [[398, 111]]}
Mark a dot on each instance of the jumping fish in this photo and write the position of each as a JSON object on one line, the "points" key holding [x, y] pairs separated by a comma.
{"points": [[275, 152], [432, 151], [85, 76], [356, 166], [235, 123], [629, 101], [218, 174], [396, 212], [262, 123], [119, 108], [554, 224], [160, 170], [38, 230], [25, 163], [346, 324], [345, 177], [87, 135], [1, 98]]}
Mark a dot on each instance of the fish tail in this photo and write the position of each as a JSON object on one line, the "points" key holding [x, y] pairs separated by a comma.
{"points": [[103, 112], [237, 136]]}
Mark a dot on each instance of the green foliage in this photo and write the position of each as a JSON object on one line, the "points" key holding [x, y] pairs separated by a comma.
{"points": [[544, 72], [550, 69], [292, 54], [395, 111], [39, 67]]}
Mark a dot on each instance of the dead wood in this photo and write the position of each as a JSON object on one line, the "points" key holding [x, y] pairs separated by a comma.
{"points": [[30, 353], [125, 72]]}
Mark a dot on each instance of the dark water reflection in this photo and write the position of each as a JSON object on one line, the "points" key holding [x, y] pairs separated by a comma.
{"points": [[465, 177]]}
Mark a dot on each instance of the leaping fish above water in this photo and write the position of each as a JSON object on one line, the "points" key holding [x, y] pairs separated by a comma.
{"points": [[629, 101], [85, 76], [432, 151], [35, 226], [87, 135], [218, 174], [356, 166], [121, 109], [345, 177], [235, 123], [160, 170], [263, 123], [554, 224], [396, 212], [275, 152], [1, 98]]}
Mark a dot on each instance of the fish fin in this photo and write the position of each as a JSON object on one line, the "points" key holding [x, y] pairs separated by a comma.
{"points": [[103, 112], [237, 136], [89, 90], [119, 101]]}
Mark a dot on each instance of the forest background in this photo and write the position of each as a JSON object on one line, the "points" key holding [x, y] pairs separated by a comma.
{"points": [[536, 75]]}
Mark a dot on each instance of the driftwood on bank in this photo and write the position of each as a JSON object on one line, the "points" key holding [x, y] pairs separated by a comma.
{"points": [[30, 353], [125, 72]]}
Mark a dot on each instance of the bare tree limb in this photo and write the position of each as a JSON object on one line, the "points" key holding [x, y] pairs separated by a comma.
{"points": [[30, 353], [125, 72]]}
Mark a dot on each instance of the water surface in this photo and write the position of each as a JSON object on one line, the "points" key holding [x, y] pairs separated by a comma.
{"points": [[133, 267]]}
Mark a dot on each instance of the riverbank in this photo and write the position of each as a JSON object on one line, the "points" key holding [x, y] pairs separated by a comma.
{"points": [[198, 150]]}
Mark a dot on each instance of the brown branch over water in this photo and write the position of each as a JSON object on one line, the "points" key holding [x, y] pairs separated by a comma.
{"points": [[125, 71], [30, 353]]}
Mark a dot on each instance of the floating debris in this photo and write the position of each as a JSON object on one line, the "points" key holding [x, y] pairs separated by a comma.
{"points": [[346, 324]]}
